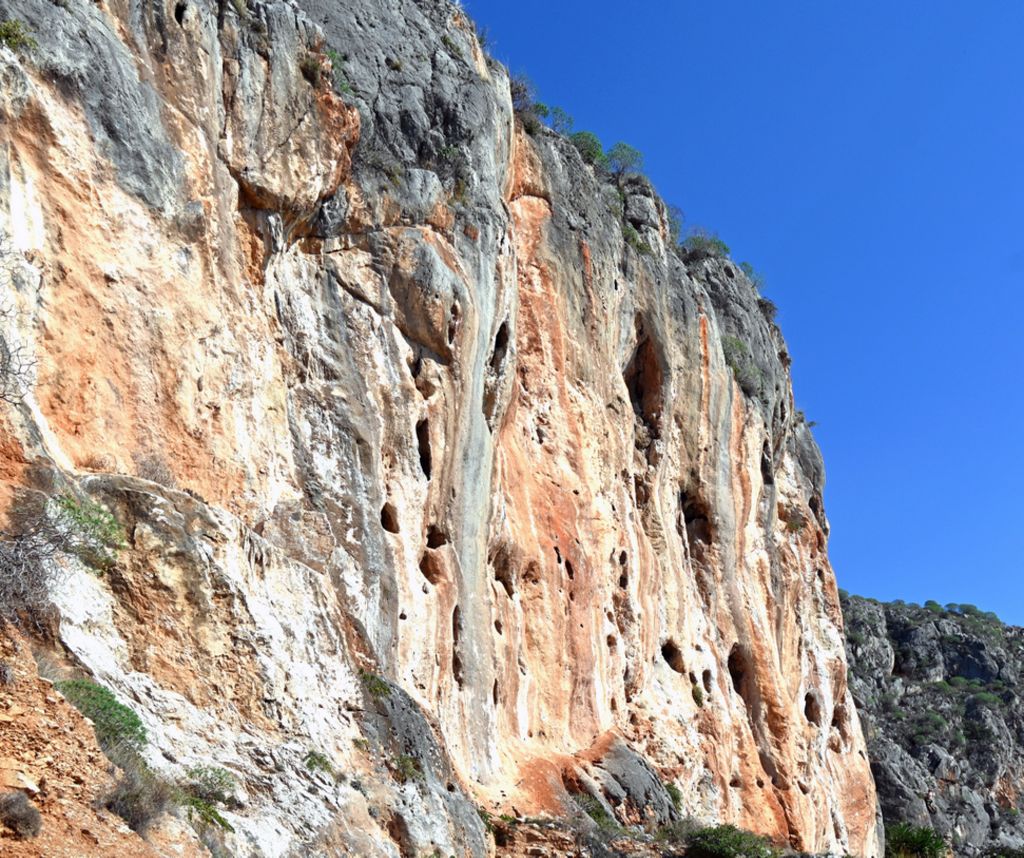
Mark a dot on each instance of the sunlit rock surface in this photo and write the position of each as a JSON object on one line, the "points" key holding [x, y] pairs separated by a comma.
{"points": [[423, 465]]}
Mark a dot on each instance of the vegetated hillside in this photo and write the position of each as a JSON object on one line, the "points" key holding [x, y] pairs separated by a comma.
{"points": [[939, 692], [380, 463]]}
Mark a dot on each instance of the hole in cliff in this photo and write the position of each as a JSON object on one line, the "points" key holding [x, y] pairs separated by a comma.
{"points": [[623, 581], [436, 537], [673, 656], [417, 367], [531, 575], [453, 323], [498, 627], [767, 469], [738, 671], [804, 788], [821, 575], [696, 519], [841, 721], [760, 783], [430, 566], [450, 786], [179, 12], [693, 678], [569, 570], [500, 347], [494, 692], [735, 782], [812, 709], [558, 556], [706, 681], [815, 504], [622, 558], [423, 440], [456, 659], [644, 379], [611, 641], [729, 272], [504, 572], [389, 518]]}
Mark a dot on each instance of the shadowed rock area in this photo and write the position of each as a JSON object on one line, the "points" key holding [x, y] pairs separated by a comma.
{"points": [[938, 689]]}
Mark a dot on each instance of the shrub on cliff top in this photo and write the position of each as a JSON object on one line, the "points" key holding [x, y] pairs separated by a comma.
{"points": [[908, 841], [590, 148], [623, 158], [702, 245]]}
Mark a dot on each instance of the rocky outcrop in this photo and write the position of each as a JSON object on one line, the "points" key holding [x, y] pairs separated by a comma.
{"points": [[938, 690], [424, 468]]}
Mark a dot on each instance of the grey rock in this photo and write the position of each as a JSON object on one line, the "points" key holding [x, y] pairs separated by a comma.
{"points": [[937, 692]]}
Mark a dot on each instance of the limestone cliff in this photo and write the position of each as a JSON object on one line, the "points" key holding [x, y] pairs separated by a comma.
{"points": [[938, 688], [424, 468]]}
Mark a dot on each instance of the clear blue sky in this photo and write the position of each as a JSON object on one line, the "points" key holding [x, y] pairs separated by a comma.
{"points": [[868, 158]]}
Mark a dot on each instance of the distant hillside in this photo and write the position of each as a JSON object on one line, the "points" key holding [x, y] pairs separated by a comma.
{"points": [[938, 691]]}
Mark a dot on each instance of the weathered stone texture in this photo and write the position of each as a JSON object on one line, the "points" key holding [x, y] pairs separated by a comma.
{"points": [[451, 429]]}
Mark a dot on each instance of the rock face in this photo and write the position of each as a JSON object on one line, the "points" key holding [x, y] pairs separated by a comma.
{"points": [[938, 690], [423, 436]]}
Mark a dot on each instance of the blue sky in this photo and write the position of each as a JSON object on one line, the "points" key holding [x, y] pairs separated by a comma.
{"points": [[868, 159]]}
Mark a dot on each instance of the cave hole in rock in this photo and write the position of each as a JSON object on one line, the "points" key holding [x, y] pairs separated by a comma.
{"points": [[812, 708], [696, 517], [402, 616], [558, 556], [494, 692], [673, 656], [613, 705], [706, 681], [430, 566], [693, 678], [841, 721], [644, 378], [612, 642], [456, 659], [738, 671], [436, 537], [179, 12], [500, 347], [389, 518], [498, 627], [423, 440], [767, 468], [504, 570], [760, 783], [622, 558], [623, 581], [735, 782], [569, 570], [417, 366], [453, 323], [729, 272], [814, 502]]}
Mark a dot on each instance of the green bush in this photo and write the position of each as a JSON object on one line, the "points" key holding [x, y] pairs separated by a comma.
{"points": [[590, 148], [407, 768], [595, 810], [93, 534], [737, 357], [908, 841], [727, 841], [633, 239], [115, 724], [674, 794], [623, 158], [752, 275], [561, 121], [698, 694], [16, 36], [337, 75], [702, 245], [318, 762], [675, 218], [375, 686], [211, 783]]}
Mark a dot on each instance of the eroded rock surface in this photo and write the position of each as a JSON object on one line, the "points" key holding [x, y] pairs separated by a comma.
{"points": [[939, 691], [423, 466]]}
